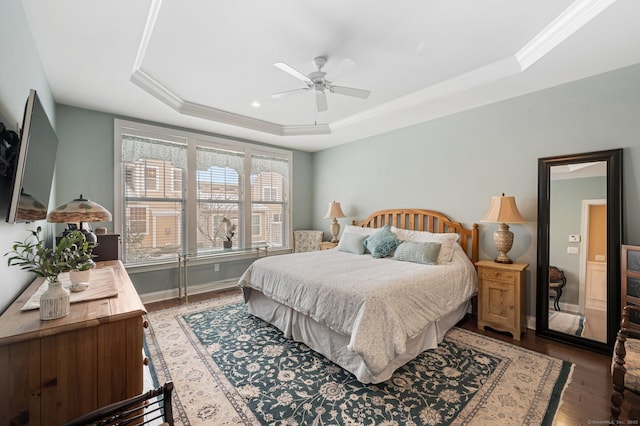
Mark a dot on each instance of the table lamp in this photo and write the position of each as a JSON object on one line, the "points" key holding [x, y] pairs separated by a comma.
{"points": [[80, 210], [503, 210], [334, 212]]}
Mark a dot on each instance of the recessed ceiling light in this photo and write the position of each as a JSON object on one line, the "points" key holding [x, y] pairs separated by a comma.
{"points": [[255, 104]]}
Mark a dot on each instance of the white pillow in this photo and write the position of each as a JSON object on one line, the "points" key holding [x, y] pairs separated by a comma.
{"points": [[358, 230], [351, 242], [447, 241]]}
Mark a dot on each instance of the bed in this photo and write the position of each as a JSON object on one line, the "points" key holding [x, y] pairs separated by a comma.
{"points": [[371, 315]]}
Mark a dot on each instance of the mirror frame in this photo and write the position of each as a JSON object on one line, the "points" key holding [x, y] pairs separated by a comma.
{"points": [[613, 158]]}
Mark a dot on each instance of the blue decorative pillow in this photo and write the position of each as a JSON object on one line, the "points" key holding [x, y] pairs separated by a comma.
{"points": [[352, 243], [410, 251], [382, 243]]}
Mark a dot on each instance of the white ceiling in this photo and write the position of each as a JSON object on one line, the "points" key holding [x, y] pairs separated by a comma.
{"points": [[200, 64]]}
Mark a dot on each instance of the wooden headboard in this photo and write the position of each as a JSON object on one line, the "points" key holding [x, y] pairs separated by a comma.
{"points": [[426, 220]]}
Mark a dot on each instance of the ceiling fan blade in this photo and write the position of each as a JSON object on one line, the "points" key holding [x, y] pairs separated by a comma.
{"points": [[350, 91], [321, 101], [289, 92], [294, 72]]}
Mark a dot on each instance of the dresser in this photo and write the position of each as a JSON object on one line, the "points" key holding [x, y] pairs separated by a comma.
{"points": [[631, 282], [53, 371], [502, 296]]}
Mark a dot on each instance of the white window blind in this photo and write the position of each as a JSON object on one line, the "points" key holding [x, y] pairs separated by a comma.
{"points": [[153, 202], [219, 181], [269, 198]]}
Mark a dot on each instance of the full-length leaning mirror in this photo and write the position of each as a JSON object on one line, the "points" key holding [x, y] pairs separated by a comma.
{"points": [[579, 237]]}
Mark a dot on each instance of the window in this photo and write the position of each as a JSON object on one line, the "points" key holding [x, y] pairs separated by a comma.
{"points": [[218, 180], [151, 178], [269, 190], [174, 189], [255, 225], [269, 193], [176, 180], [138, 220]]}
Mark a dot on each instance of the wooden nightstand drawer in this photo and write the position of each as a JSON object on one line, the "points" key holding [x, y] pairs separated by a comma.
{"points": [[497, 275], [328, 245]]}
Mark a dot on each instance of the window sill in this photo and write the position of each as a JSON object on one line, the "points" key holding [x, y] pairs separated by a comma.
{"points": [[203, 259]]}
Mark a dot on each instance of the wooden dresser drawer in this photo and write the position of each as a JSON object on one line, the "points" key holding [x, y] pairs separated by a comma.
{"points": [[497, 275]]}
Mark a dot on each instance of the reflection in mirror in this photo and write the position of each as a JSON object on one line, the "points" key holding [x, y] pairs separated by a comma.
{"points": [[579, 239], [578, 250]]}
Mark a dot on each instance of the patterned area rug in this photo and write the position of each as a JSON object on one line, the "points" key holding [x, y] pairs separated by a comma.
{"points": [[231, 368]]}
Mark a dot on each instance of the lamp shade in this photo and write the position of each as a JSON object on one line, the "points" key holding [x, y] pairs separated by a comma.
{"points": [[503, 209], [79, 210], [334, 211]]}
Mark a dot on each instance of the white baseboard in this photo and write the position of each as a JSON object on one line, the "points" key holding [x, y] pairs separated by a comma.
{"points": [[531, 322], [158, 296]]}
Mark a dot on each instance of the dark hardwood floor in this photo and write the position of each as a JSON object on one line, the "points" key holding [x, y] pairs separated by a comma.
{"points": [[586, 398]]}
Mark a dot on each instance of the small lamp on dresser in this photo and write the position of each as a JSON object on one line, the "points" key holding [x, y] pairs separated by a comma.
{"points": [[334, 212], [503, 210], [80, 210]]}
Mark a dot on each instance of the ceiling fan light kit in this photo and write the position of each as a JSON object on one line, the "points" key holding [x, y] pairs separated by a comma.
{"points": [[317, 83]]}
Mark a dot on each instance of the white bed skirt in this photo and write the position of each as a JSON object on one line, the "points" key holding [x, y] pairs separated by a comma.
{"points": [[333, 345]]}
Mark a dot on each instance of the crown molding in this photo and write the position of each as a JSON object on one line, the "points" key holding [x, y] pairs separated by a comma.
{"points": [[475, 78], [577, 15]]}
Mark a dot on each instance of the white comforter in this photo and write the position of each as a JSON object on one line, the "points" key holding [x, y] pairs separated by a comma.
{"points": [[379, 303]]}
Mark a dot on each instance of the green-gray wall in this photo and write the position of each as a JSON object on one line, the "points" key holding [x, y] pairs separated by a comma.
{"points": [[456, 163], [21, 71]]}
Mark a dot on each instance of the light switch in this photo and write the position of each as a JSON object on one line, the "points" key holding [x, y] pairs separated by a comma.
{"points": [[573, 250], [574, 238]]}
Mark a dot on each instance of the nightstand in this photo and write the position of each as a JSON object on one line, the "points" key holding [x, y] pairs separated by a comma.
{"points": [[327, 245], [502, 296]]}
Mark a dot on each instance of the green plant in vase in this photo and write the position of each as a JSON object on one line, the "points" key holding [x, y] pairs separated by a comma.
{"points": [[82, 262], [33, 255]]}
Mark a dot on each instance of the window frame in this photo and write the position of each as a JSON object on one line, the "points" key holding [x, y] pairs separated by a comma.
{"points": [[192, 140]]}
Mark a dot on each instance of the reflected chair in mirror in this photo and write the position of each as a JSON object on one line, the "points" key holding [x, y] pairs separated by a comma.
{"points": [[625, 368], [150, 408], [307, 240], [557, 281]]}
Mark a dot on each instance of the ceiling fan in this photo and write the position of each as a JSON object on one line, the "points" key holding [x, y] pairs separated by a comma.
{"points": [[316, 83]]}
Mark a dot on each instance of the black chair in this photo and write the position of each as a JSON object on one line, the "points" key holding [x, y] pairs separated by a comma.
{"points": [[557, 281], [144, 409]]}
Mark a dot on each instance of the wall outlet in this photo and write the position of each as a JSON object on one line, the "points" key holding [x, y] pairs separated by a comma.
{"points": [[601, 257], [573, 250], [216, 267], [574, 238]]}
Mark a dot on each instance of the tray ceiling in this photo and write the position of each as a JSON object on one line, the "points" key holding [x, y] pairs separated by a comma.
{"points": [[207, 65]]}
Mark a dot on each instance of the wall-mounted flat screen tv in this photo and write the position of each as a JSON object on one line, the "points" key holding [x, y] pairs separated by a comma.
{"points": [[35, 164]]}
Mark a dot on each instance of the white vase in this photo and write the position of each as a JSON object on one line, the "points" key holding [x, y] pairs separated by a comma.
{"points": [[54, 302], [79, 280]]}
